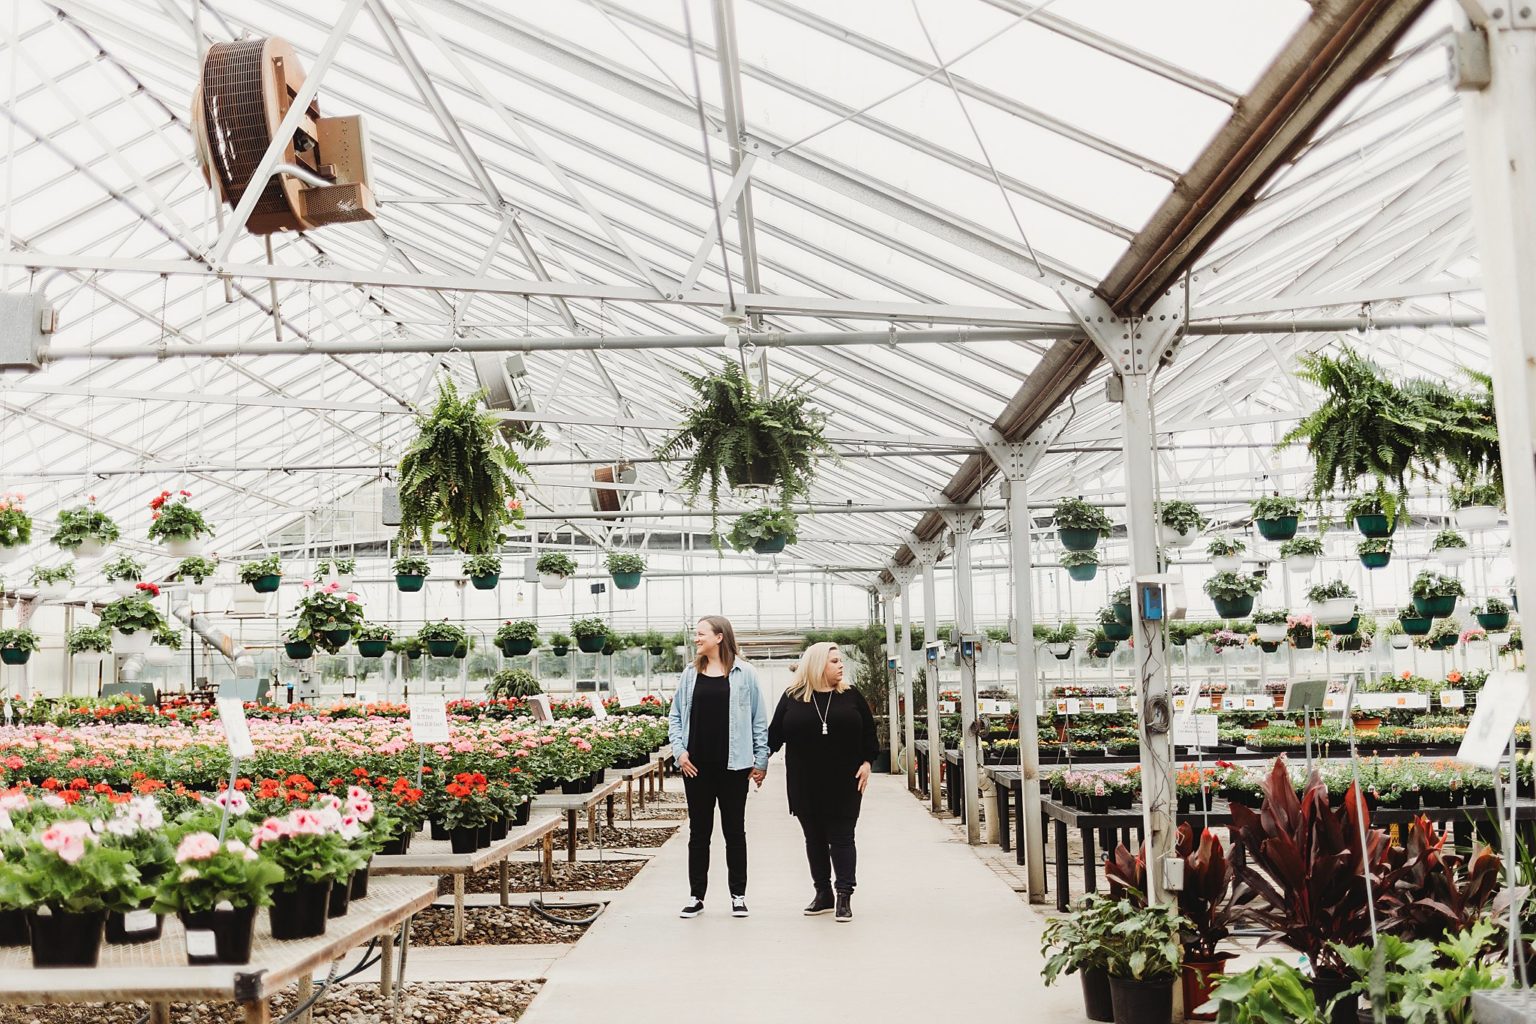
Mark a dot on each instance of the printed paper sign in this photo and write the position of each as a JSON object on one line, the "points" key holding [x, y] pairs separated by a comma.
{"points": [[539, 705], [1381, 701], [1499, 707], [1068, 706], [1257, 702], [1453, 698], [368, 696], [1201, 732], [995, 707], [1231, 702], [595, 702], [948, 707], [232, 714], [627, 693], [429, 719], [1106, 705]]}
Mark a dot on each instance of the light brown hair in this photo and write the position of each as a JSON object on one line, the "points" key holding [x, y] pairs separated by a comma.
{"points": [[729, 652]]}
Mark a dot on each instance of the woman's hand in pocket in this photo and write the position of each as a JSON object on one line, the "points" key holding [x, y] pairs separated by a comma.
{"points": [[862, 775]]}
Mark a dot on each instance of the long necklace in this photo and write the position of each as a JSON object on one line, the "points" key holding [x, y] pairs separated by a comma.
{"points": [[817, 705]]}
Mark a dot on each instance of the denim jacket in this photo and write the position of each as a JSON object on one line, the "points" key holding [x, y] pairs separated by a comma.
{"points": [[747, 727]]}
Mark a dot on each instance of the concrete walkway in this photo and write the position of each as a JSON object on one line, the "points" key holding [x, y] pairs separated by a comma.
{"points": [[935, 934]]}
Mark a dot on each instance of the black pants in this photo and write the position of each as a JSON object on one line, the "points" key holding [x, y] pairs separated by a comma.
{"points": [[729, 790], [828, 845]]}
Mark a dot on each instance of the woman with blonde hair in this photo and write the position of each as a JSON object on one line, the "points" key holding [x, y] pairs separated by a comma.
{"points": [[718, 727], [828, 733]]}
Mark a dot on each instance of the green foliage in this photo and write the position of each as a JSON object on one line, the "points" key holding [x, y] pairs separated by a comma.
{"points": [[1180, 516], [513, 682], [1144, 942], [482, 565], [1490, 492], [84, 639], [763, 524], [555, 563], [589, 627], [167, 636], [57, 574], [1492, 606], [1434, 584], [1274, 992], [1422, 981], [1275, 506], [412, 565], [1301, 546], [1375, 546], [1079, 940], [174, 518], [250, 572], [1077, 514], [1225, 547], [227, 875], [19, 640], [559, 640], [1447, 539], [441, 630], [1062, 634], [728, 429], [15, 524], [1271, 616], [1329, 591], [131, 614], [457, 472], [123, 569], [375, 631], [197, 568], [1072, 559], [82, 523], [523, 629], [625, 561], [1376, 503], [1231, 586]]}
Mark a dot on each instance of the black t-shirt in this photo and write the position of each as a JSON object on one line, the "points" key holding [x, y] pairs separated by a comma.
{"points": [[709, 724]]}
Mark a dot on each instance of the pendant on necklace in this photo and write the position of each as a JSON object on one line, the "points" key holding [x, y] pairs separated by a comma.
{"points": [[823, 728]]}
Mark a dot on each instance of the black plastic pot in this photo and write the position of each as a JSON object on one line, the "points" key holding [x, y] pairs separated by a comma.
{"points": [[597, 776], [1435, 607], [1237, 608], [1098, 1003], [372, 648], [498, 830], [13, 928], [464, 840], [300, 913], [341, 897], [145, 929], [360, 881], [592, 644], [66, 940], [1142, 1002], [517, 648], [1324, 988], [233, 932], [571, 787], [520, 816], [483, 836], [439, 832]]}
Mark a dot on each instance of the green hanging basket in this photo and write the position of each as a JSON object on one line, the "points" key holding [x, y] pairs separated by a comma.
{"points": [[1283, 528], [409, 584], [1415, 626], [516, 648], [592, 644], [485, 582], [1083, 573], [1078, 539], [1237, 608], [1375, 559], [442, 648], [372, 648], [1435, 607], [14, 656], [631, 580], [1116, 630], [266, 584], [1375, 526], [299, 651]]}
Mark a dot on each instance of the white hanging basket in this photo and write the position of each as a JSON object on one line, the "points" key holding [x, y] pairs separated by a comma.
{"points": [[161, 656], [1401, 641], [10, 554], [90, 548], [125, 588], [90, 658], [53, 591], [1227, 563], [1452, 556], [184, 548], [1478, 517], [137, 642], [1300, 563], [343, 581], [1334, 612], [552, 581], [1271, 632], [205, 587], [1499, 639], [1060, 650], [1172, 538]]}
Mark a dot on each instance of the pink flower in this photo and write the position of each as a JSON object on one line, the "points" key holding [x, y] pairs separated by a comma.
{"points": [[268, 830], [197, 846], [305, 823]]}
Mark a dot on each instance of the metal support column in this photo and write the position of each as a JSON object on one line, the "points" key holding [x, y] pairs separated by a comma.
{"points": [[887, 592], [927, 553], [1135, 349], [903, 575], [960, 526]]}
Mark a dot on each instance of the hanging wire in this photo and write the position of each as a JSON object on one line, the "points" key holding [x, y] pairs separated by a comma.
{"points": [[709, 160]]}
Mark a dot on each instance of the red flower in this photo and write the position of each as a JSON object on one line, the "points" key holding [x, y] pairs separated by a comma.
{"points": [[153, 591]]}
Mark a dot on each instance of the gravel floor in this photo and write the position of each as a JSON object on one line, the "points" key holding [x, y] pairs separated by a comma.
{"points": [[616, 838], [428, 1003], [577, 877], [490, 926]]}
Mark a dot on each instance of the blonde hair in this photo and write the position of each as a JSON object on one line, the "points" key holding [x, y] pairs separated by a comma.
{"points": [[729, 652], [813, 669]]}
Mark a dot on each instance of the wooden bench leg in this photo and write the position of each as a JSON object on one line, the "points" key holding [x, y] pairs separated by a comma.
{"points": [[629, 800], [592, 824], [549, 858], [610, 810], [306, 989], [387, 964], [159, 1013], [258, 1012], [458, 909], [570, 836], [501, 879]]}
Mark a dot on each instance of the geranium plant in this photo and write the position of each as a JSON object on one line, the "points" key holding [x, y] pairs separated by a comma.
{"points": [[168, 636], [524, 629], [323, 611], [197, 568], [15, 524], [250, 572], [1332, 590], [468, 803], [624, 562], [764, 524], [555, 563], [1225, 547], [588, 628], [310, 845], [14, 639], [209, 873], [1233, 586], [1077, 514], [375, 631], [56, 574], [412, 565], [1301, 547], [88, 640], [1271, 616], [1275, 506], [65, 868], [1434, 584], [123, 569], [172, 517], [131, 614], [82, 524]]}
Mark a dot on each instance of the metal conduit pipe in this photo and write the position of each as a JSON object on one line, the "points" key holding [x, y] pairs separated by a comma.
{"points": [[238, 657]]}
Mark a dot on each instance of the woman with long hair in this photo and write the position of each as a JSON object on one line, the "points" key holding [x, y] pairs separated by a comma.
{"points": [[828, 731], [718, 727]]}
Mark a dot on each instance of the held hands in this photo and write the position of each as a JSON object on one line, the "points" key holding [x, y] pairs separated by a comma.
{"points": [[685, 765], [758, 775], [862, 775]]}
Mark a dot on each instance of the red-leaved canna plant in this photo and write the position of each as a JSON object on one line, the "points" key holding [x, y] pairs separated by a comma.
{"points": [[1430, 892]]}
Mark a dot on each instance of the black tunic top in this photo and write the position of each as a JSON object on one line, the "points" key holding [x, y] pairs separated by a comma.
{"points": [[709, 722], [821, 770]]}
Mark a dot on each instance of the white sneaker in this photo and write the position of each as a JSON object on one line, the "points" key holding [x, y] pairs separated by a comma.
{"points": [[738, 906], [694, 908]]}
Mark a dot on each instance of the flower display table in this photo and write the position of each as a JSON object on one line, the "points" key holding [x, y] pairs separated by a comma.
{"points": [[574, 803]]}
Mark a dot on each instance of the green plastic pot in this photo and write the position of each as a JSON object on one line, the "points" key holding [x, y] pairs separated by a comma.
{"points": [[1283, 528], [441, 648], [631, 580], [516, 648], [1375, 559], [14, 656], [1444, 643], [1375, 526], [1349, 628], [1494, 622], [485, 582], [1416, 626], [266, 584], [338, 637], [372, 648], [1104, 648], [409, 583], [1236, 608], [657, 650], [299, 651], [1116, 630], [560, 650], [592, 644], [1083, 573], [1122, 613], [1075, 538], [1435, 607], [461, 650], [766, 546]]}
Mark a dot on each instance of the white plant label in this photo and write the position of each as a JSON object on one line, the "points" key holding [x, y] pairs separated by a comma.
{"points": [[1453, 698], [1500, 705], [948, 707], [627, 693], [1039, 708], [1200, 730], [236, 732], [595, 702], [429, 718], [539, 705], [1106, 705], [1068, 706], [201, 943], [1257, 702], [994, 707], [138, 921]]}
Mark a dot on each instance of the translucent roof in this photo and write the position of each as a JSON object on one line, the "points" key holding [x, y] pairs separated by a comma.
{"points": [[911, 166]]}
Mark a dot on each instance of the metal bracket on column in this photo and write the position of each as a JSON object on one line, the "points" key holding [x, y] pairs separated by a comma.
{"points": [[925, 552], [902, 574], [1130, 344], [1017, 459]]}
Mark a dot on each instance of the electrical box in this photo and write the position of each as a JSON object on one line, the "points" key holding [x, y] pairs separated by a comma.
{"points": [[1151, 596], [26, 321], [935, 651], [599, 588], [389, 506], [531, 569]]}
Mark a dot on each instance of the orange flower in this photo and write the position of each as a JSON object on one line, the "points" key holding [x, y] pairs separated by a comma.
{"points": [[1453, 677]]}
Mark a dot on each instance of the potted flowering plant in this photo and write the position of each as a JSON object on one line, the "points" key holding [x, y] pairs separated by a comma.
{"points": [[327, 616], [1302, 632], [1443, 635], [197, 573], [411, 572], [1477, 504], [1333, 603], [466, 809], [626, 568], [591, 634], [1226, 553], [1272, 624], [298, 644], [1081, 565], [484, 571], [70, 880], [1276, 516], [1224, 640], [133, 620], [1179, 522], [1375, 552], [315, 848], [17, 646], [373, 639], [15, 526], [208, 875], [1079, 525], [89, 643], [53, 583], [1300, 554], [517, 638], [1492, 614], [176, 524], [1232, 593], [441, 638], [85, 530], [765, 530], [124, 574], [264, 575], [1435, 594], [1450, 547], [559, 644]]}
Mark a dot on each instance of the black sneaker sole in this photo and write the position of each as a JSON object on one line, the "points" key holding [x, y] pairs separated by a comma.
{"points": [[691, 913], [845, 920], [740, 913], [818, 913]]}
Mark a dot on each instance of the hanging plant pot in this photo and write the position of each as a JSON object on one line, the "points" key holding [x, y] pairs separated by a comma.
{"points": [[1104, 648], [1172, 538], [1062, 651], [1075, 538], [552, 581], [299, 650], [266, 584], [656, 650], [184, 547], [300, 913], [338, 637], [1375, 526], [559, 650], [1283, 528], [1083, 573], [136, 642], [1493, 622], [52, 591], [1435, 607], [409, 583], [14, 656], [1269, 646], [1226, 563], [1122, 613], [1303, 640], [627, 580], [485, 582], [1271, 632], [442, 648], [200, 586], [125, 588], [1334, 611], [1444, 643], [592, 644], [1116, 630], [66, 940], [517, 648], [1451, 556], [372, 648], [1401, 641], [1416, 626], [750, 473], [1349, 628], [1375, 559], [1300, 563], [461, 650], [1234, 608], [88, 548], [1478, 517], [1142, 1002], [770, 545]]}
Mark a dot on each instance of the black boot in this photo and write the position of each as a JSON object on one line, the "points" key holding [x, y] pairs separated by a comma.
{"points": [[820, 904], [844, 911]]}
